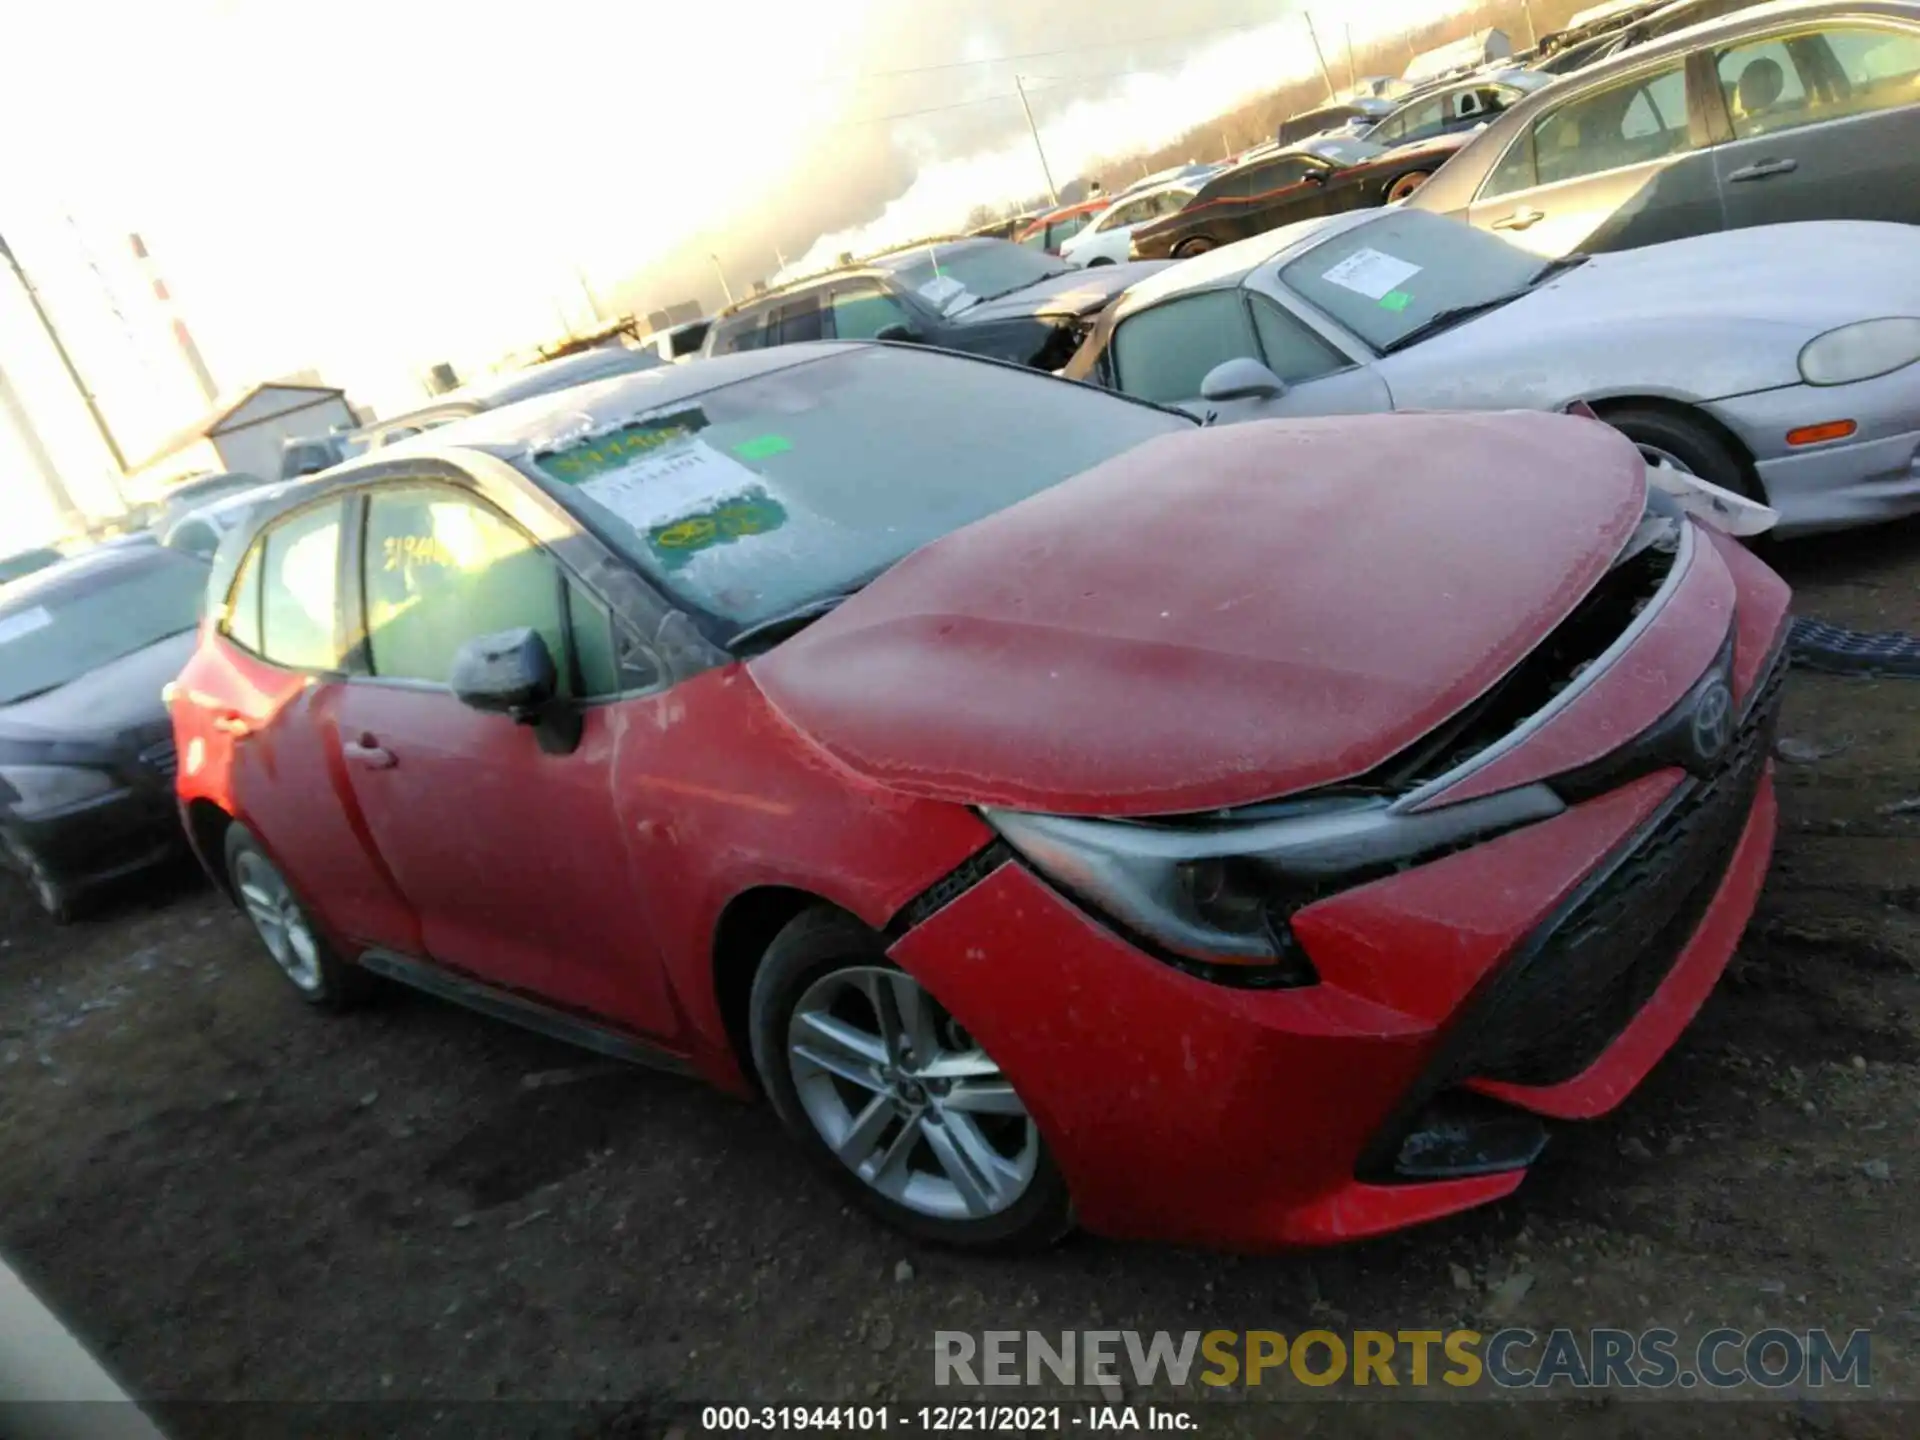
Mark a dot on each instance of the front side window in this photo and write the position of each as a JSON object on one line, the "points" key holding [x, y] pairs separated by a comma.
{"points": [[299, 590], [862, 312], [442, 569], [1630, 123], [1066, 229], [1163, 354], [1292, 351], [1418, 122], [781, 489], [798, 320]]}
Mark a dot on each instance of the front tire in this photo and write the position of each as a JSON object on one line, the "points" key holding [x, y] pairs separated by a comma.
{"points": [[1667, 438], [60, 903], [1187, 249], [892, 1099], [286, 930]]}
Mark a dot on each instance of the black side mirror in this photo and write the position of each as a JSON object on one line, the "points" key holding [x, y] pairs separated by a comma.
{"points": [[899, 332], [512, 673]]}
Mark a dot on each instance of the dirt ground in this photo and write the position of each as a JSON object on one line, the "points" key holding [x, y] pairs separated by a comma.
{"points": [[234, 1200]]}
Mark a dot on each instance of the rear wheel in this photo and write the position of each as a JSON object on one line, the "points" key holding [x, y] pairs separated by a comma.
{"points": [[291, 939], [1690, 446], [1186, 249], [1099, 260], [891, 1096], [1406, 185]]}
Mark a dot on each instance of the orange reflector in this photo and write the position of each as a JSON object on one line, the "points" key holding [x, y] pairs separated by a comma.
{"points": [[1826, 430]]}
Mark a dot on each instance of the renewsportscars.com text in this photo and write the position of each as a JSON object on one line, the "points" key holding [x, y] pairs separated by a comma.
{"points": [[1510, 1359]]}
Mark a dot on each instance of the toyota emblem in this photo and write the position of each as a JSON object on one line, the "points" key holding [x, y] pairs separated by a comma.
{"points": [[1713, 721]]}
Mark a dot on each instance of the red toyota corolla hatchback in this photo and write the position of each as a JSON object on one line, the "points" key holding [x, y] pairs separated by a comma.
{"points": [[1060, 810]]}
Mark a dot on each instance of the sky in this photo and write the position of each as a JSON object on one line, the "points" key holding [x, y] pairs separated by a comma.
{"points": [[366, 187]]}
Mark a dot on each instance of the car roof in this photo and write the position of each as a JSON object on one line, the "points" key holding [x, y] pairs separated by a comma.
{"points": [[1231, 264], [511, 429], [1753, 17]]}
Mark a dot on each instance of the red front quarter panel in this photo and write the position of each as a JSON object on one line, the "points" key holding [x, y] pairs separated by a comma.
{"points": [[721, 796]]}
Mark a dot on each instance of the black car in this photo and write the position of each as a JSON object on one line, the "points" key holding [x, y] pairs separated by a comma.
{"points": [[86, 746], [983, 297], [1459, 106], [1327, 176], [1353, 115]]}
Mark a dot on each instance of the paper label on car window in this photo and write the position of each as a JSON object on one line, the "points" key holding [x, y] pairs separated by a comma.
{"points": [[13, 627], [670, 482], [942, 290], [1371, 273]]}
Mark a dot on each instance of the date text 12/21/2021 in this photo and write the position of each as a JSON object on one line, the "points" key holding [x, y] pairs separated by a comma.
{"points": [[942, 1419]]}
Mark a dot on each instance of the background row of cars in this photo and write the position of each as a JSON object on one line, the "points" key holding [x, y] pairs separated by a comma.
{"points": [[1777, 366]]}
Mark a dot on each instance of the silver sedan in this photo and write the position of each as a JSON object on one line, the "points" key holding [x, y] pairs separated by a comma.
{"points": [[1783, 364]]}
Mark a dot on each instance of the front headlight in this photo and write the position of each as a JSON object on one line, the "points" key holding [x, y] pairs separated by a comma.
{"points": [[41, 789], [1220, 892], [1860, 352]]}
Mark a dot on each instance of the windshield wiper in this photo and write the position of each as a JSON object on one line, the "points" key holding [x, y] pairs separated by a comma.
{"points": [[778, 627], [1451, 316], [1559, 267]]}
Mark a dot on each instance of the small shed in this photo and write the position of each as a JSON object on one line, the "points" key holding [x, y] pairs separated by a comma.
{"points": [[244, 433], [1458, 57]]}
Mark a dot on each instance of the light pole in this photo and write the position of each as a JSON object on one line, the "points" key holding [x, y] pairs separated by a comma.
{"points": [[725, 288], [66, 360], [1039, 149]]}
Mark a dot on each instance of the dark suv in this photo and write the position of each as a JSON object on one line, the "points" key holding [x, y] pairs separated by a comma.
{"points": [[980, 296]]}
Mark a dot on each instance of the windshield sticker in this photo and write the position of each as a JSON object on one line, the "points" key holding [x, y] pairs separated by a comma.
{"points": [[15, 627], [943, 291], [750, 512], [1371, 273], [761, 446], [1395, 300], [669, 482], [609, 451]]}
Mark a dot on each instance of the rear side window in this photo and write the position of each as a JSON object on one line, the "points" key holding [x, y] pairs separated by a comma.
{"points": [[1773, 85], [740, 332], [1631, 123], [299, 590], [798, 320], [1164, 353]]}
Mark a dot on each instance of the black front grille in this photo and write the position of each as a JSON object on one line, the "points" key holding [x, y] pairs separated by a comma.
{"points": [[1584, 975]]}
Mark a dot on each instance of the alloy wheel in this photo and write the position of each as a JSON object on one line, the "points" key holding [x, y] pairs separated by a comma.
{"points": [[906, 1099], [279, 920]]}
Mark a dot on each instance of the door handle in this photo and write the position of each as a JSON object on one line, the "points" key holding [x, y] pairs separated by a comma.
{"points": [[1523, 218], [368, 752], [1765, 169]]}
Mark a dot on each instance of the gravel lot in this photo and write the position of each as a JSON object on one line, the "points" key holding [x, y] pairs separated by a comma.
{"points": [[235, 1200]]}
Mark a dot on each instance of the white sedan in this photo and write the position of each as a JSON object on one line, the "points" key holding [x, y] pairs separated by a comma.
{"points": [[1106, 241]]}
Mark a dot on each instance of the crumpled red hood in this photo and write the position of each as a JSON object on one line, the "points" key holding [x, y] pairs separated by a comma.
{"points": [[1218, 616]]}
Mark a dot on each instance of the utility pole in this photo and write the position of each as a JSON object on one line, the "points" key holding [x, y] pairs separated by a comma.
{"points": [[70, 513], [1052, 194], [586, 289], [1533, 35], [1353, 75], [725, 288], [1314, 35], [66, 360]]}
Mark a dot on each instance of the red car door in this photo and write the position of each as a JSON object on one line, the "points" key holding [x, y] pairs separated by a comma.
{"points": [[256, 720], [513, 858]]}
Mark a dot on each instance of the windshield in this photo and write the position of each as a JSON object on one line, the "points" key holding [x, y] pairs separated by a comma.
{"points": [[952, 277], [775, 492], [1394, 273], [58, 627]]}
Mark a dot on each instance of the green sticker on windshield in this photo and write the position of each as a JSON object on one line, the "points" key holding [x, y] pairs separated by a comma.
{"points": [[761, 446], [613, 450], [1395, 300], [751, 512]]}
